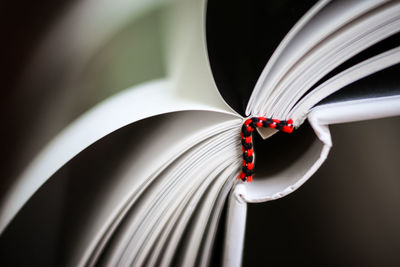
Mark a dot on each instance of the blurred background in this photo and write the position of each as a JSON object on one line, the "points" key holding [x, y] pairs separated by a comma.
{"points": [[58, 63], [347, 214]]}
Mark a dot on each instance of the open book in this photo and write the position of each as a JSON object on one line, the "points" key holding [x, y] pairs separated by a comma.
{"points": [[161, 205]]}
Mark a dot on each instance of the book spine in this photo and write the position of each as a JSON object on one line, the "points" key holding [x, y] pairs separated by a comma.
{"points": [[247, 143]]}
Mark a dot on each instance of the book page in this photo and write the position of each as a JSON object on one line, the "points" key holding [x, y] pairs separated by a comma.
{"points": [[196, 231], [161, 144], [91, 50], [189, 87], [202, 176], [359, 71], [353, 110], [172, 190], [127, 107], [211, 232], [321, 21], [346, 43], [187, 59]]}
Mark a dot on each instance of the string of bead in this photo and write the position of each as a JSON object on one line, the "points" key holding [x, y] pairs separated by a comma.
{"points": [[247, 143]]}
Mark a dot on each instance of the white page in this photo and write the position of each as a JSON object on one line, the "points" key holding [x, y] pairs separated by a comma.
{"points": [[205, 173], [127, 107], [162, 182], [277, 53], [177, 182], [347, 42], [235, 229], [166, 247], [197, 230], [206, 252], [178, 135], [353, 110], [61, 78], [325, 19], [359, 71], [187, 58], [84, 36], [199, 88], [200, 173], [119, 203]]}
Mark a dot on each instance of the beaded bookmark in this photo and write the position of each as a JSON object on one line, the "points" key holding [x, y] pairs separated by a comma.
{"points": [[247, 143]]}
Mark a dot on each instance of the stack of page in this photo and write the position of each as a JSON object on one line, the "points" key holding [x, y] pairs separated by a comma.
{"points": [[158, 199]]}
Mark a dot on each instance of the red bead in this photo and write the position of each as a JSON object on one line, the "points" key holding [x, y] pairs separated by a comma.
{"points": [[259, 124], [250, 152], [287, 129], [247, 122], [250, 178], [248, 139], [242, 175], [272, 125], [250, 165], [249, 129]]}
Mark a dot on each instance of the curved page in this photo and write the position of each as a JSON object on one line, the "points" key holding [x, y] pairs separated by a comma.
{"points": [[132, 105], [172, 190], [321, 21], [187, 59], [159, 146], [349, 41], [359, 71], [106, 48], [93, 50]]}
